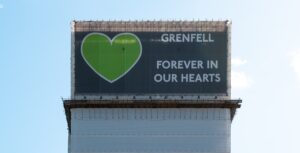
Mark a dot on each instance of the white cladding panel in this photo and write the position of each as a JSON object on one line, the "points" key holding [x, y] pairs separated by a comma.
{"points": [[167, 130]]}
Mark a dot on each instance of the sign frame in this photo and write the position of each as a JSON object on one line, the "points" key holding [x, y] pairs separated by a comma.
{"points": [[151, 26]]}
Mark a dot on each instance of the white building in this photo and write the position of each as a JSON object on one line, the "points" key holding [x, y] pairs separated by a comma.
{"points": [[197, 128]]}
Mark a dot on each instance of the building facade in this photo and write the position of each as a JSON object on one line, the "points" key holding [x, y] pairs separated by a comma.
{"points": [[105, 114]]}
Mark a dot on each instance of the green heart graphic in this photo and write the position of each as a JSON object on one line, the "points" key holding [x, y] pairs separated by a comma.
{"points": [[111, 59]]}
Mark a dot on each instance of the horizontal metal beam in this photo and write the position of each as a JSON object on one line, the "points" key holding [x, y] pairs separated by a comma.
{"points": [[150, 26], [69, 104]]}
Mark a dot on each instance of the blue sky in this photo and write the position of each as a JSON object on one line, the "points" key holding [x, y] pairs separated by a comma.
{"points": [[35, 67]]}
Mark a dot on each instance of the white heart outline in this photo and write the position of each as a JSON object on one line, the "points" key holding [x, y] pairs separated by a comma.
{"points": [[111, 40]]}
